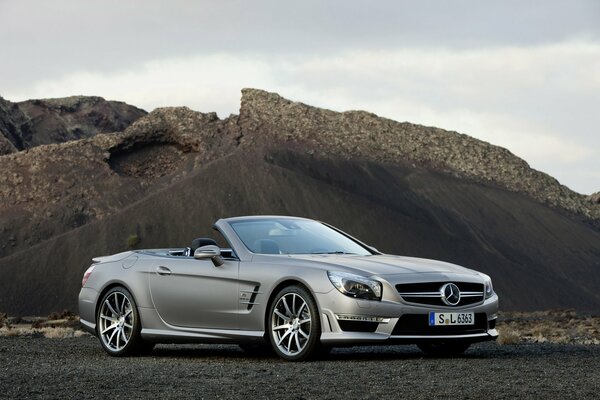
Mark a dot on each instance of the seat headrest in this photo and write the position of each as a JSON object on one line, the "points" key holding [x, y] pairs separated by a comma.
{"points": [[199, 242]]}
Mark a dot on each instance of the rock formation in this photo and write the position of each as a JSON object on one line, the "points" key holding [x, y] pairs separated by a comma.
{"points": [[35, 122]]}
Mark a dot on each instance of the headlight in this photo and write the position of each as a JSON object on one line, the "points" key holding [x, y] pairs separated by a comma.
{"points": [[355, 285], [489, 289]]}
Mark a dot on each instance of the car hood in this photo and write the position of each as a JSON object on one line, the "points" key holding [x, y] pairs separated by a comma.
{"points": [[382, 264]]}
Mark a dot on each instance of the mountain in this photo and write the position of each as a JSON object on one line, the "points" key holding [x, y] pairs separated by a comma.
{"points": [[36, 122], [404, 188]]}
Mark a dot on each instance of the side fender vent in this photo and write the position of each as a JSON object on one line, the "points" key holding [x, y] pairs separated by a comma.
{"points": [[249, 297]]}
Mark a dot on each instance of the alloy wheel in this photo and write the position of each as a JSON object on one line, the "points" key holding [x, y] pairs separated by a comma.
{"points": [[291, 324], [116, 321]]}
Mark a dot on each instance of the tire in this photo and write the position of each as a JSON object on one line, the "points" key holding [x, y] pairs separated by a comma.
{"points": [[444, 349], [118, 324], [294, 325]]}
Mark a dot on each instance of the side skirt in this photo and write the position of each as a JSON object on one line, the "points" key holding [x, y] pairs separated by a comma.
{"points": [[202, 336]]}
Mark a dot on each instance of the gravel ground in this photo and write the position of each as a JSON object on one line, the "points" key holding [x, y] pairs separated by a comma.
{"points": [[76, 368]]}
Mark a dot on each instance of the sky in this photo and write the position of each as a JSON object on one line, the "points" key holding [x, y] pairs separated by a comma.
{"points": [[524, 75]]}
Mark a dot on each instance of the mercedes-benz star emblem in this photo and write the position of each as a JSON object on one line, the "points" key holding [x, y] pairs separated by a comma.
{"points": [[450, 294]]}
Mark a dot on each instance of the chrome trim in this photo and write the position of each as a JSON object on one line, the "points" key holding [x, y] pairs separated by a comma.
{"points": [[421, 294], [491, 333], [362, 318], [438, 294], [245, 300]]}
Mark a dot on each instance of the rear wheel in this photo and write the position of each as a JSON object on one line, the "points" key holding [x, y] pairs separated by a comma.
{"points": [[294, 324], [118, 324], [444, 349]]}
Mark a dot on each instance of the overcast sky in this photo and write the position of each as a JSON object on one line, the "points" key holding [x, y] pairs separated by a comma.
{"points": [[524, 75]]}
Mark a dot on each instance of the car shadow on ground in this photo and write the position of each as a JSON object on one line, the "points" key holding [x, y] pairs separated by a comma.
{"points": [[358, 353]]}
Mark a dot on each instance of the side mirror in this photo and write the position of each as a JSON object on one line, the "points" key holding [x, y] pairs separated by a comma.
{"points": [[211, 251]]}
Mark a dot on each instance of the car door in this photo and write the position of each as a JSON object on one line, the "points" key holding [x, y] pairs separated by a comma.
{"points": [[195, 293]]}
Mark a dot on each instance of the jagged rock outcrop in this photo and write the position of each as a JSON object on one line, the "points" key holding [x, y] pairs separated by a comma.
{"points": [[595, 198], [14, 127], [6, 146], [35, 122], [404, 188]]}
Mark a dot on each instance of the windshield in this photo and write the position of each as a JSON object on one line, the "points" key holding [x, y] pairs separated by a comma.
{"points": [[289, 236]]}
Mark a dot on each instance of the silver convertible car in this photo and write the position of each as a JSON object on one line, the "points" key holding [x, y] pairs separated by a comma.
{"points": [[294, 286]]}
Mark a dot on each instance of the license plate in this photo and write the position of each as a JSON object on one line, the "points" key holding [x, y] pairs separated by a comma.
{"points": [[451, 318]]}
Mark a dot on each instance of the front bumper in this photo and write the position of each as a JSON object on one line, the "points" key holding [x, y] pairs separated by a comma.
{"points": [[348, 321]]}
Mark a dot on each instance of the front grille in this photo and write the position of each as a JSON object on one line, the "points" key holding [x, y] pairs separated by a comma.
{"points": [[428, 293], [418, 325], [358, 326]]}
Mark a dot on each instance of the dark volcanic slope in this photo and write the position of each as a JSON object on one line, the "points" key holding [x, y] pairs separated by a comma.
{"points": [[169, 176], [35, 122]]}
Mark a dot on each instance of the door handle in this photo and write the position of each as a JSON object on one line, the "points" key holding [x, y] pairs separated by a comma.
{"points": [[163, 271]]}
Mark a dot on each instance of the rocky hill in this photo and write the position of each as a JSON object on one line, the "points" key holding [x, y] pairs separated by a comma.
{"points": [[365, 135], [35, 122], [404, 188]]}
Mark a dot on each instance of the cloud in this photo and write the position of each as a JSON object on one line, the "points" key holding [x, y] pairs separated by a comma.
{"points": [[204, 83], [538, 101]]}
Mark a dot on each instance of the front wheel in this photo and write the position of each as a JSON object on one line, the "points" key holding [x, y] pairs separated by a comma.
{"points": [[444, 349], [294, 324]]}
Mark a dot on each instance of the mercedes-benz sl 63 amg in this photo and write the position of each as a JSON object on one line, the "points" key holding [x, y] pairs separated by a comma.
{"points": [[294, 285]]}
